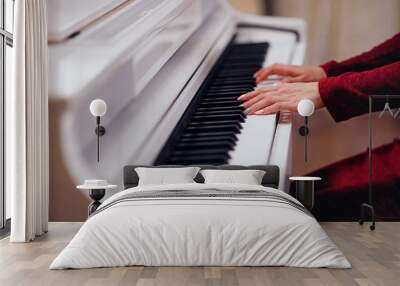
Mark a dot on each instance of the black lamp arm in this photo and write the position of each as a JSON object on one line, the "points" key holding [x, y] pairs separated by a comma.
{"points": [[99, 131], [304, 131]]}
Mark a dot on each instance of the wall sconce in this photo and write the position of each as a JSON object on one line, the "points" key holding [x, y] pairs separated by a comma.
{"points": [[306, 109], [98, 108]]}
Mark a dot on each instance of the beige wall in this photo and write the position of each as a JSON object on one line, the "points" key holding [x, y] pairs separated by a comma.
{"points": [[248, 6], [338, 29]]}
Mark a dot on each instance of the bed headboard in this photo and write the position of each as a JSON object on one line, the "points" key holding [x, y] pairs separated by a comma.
{"points": [[270, 179]]}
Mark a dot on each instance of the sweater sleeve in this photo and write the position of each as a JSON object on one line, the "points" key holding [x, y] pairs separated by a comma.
{"points": [[383, 54], [347, 95]]}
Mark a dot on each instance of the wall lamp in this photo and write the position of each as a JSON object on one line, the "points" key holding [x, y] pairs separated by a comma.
{"points": [[305, 108], [98, 108]]}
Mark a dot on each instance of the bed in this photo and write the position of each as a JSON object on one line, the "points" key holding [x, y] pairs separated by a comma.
{"points": [[201, 224]]}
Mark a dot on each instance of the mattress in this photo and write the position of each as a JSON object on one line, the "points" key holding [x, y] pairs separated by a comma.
{"points": [[201, 225]]}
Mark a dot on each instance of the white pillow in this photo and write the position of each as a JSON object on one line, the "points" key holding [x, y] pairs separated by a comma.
{"points": [[248, 177], [163, 176]]}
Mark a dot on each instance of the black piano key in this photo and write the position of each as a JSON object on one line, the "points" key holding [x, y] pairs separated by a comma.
{"points": [[232, 83], [238, 58], [234, 94], [233, 75], [189, 146], [235, 87], [214, 128], [219, 108], [219, 112], [233, 66], [208, 139], [257, 52], [217, 159], [230, 88], [215, 123], [210, 121], [229, 115], [227, 87], [245, 46], [227, 134], [249, 47], [201, 152], [237, 68], [259, 44], [229, 72], [228, 92], [228, 103], [219, 98], [222, 99], [234, 54], [227, 79], [218, 117], [251, 56]]}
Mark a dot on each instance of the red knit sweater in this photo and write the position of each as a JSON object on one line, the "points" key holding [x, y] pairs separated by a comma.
{"points": [[345, 91]]}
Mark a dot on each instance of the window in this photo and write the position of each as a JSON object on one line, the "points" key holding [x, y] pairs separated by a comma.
{"points": [[6, 44]]}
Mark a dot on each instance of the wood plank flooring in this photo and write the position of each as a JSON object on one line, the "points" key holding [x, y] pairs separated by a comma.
{"points": [[375, 257]]}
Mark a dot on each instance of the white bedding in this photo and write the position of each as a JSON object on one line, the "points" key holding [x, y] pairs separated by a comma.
{"points": [[182, 231]]}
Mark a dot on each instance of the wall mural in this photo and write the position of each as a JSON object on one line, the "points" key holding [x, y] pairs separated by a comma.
{"points": [[126, 79]]}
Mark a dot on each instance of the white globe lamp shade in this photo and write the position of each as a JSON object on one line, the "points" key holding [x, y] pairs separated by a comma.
{"points": [[98, 107], [305, 107]]}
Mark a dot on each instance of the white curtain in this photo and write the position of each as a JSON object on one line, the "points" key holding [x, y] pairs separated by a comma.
{"points": [[27, 123]]}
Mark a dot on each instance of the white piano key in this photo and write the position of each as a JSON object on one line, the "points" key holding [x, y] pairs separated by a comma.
{"points": [[255, 141], [266, 83], [281, 153], [273, 77]]}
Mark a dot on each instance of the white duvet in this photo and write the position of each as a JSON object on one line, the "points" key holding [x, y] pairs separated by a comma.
{"points": [[200, 231]]}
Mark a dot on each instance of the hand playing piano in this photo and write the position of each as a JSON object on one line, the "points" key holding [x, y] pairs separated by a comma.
{"points": [[291, 73], [280, 96]]}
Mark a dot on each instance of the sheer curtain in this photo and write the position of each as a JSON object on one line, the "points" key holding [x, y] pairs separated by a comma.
{"points": [[27, 124]]}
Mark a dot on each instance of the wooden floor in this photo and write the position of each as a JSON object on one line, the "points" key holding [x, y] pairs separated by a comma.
{"points": [[375, 257]]}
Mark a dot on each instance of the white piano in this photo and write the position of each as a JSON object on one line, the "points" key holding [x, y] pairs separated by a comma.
{"points": [[169, 71]]}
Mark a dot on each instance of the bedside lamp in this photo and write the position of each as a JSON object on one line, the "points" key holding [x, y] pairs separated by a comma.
{"points": [[98, 108], [306, 109]]}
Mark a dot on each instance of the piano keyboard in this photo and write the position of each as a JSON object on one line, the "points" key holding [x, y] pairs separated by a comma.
{"points": [[209, 129]]}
